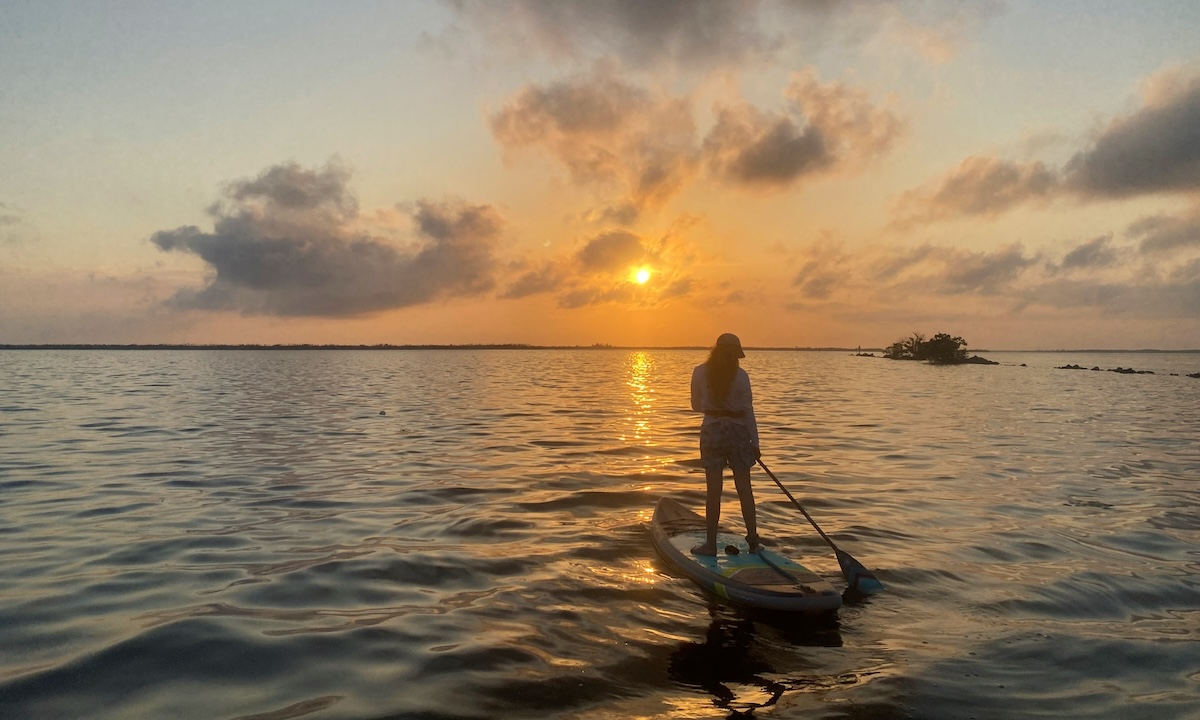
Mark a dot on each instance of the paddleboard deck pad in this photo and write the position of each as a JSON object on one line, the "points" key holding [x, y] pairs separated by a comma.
{"points": [[764, 579]]}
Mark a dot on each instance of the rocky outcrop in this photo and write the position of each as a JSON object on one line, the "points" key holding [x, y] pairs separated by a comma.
{"points": [[1122, 370]]}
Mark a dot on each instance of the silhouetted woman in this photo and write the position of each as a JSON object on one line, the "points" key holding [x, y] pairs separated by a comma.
{"points": [[728, 435]]}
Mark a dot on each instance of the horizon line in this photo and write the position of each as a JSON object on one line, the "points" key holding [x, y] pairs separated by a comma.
{"points": [[505, 346]]}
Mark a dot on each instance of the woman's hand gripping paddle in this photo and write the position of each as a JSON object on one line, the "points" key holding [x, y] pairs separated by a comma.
{"points": [[858, 578]]}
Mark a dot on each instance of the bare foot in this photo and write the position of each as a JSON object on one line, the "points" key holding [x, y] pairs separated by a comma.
{"points": [[705, 549], [754, 543]]}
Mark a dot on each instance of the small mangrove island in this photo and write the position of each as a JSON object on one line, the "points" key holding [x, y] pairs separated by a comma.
{"points": [[941, 349]]}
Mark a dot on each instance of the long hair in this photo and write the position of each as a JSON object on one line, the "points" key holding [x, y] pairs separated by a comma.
{"points": [[722, 367]]}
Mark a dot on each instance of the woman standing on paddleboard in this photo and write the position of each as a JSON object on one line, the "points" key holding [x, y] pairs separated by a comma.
{"points": [[728, 435]]}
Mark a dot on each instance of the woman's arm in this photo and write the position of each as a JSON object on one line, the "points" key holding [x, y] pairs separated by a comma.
{"points": [[747, 408]]}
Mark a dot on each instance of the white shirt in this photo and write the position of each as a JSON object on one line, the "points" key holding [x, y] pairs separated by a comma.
{"points": [[738, 400]]}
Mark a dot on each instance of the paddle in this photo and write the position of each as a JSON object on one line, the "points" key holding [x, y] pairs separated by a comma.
{"points": [[858, 577]]}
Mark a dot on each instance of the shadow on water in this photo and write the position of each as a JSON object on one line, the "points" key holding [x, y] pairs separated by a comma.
{"points": [[744, 653]]}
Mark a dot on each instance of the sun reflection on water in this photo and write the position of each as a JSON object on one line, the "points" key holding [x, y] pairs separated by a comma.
{"points": [[641, 365]]}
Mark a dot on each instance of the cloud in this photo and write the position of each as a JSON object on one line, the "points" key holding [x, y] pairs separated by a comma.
{"points": [[1176, 298], [1160, 234], [639, 148], [606, 133], [596, 295], [287, 243], [12, 227], [748, 146], [1154, 150], [612, 251], [545, 278], [986, 273], [822, 273], [933, 281], [979, 186], [1095, 253], [598, 272], [706, 35], [890, 275], [935, 30], [825, 126]]}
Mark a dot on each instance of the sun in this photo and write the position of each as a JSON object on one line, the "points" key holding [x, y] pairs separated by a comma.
{"points": [[641, 275]]}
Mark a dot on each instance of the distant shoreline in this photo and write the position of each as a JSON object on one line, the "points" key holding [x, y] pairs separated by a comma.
{"points": [[505, 346]]}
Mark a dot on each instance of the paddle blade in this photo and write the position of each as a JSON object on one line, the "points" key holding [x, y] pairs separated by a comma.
{"points": [[858, 578]]}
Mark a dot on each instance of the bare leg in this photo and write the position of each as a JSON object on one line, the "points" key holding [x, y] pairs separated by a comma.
{"points": [[741, 480], [713, 476]]}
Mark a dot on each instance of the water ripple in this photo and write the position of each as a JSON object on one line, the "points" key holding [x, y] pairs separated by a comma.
{"points": [[464, 534]]}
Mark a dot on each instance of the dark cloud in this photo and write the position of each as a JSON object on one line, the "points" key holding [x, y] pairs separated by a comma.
{"points": [[1095, 253], [823, 273], [932, 281], [1161, 234], [750, 147], [596, 295], [1188, 273], [544, 279], [289, 186], [706, 35], [287, 243], [1178, 297], [924, 270], [596, 104], [1154, 150], [986, 273], [887, 269], [613, 251], [979, 186], [826, 126]]}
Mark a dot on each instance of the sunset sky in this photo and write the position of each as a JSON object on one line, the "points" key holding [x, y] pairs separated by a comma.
{"points": [[1025, 174]]}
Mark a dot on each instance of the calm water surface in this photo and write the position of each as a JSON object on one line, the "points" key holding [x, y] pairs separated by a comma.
{"points": [[463, 534]]}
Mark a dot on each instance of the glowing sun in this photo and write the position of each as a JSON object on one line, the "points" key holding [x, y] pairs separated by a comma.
{"points": [[641, 275]]}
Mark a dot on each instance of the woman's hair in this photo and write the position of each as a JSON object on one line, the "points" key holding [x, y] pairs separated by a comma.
{"points": [[722, 366]]}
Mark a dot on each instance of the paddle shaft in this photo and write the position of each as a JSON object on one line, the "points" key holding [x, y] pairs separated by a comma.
{"points": [[858, 577], [797, 504]]}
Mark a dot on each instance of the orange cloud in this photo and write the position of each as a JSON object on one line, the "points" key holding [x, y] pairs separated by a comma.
{"points": [[608, 134], [598, 272]]}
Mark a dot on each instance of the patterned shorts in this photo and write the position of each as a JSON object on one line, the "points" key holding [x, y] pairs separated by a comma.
{"points": [[726, 443]]}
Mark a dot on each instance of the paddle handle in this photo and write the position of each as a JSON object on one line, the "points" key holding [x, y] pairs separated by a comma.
{"points": [[797, 503]]}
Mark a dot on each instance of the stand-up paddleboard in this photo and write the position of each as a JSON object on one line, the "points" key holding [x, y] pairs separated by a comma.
{"points": [[764, 579]]}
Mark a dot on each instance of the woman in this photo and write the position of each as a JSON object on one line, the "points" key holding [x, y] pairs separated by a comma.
{"points": [[728, 435]]}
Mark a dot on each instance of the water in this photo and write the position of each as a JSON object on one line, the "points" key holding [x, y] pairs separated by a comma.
{"points": [[246, 534]]}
